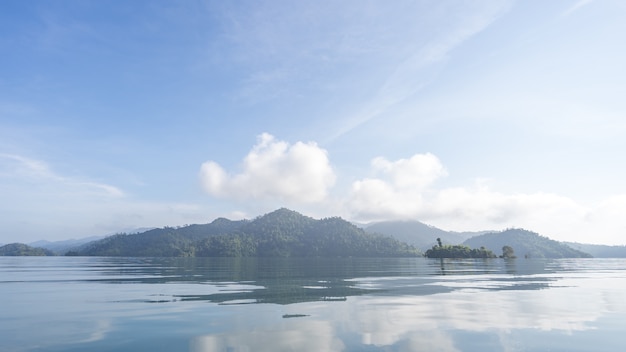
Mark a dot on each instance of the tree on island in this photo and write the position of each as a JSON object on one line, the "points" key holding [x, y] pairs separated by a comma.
{"points": [[508, 253]]}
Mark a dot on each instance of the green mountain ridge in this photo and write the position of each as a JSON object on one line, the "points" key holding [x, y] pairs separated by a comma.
{"points": [[282, 233]]}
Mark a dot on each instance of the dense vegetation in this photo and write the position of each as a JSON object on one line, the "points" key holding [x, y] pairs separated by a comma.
{"points": [[457, 251], [508, 253], [20, 249], [526, 243], [282, 233]]}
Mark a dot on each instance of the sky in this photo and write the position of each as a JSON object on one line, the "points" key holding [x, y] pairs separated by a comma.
{"points": [[465, 115]]}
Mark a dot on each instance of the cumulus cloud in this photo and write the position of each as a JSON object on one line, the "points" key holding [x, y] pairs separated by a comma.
{"points": [[398, 190], [301, 175], [418, 172], [274, 170], [406, 189], [478, 207]]}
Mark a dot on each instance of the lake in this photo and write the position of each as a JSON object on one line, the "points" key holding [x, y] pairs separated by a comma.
{"points": [[318, 304]]}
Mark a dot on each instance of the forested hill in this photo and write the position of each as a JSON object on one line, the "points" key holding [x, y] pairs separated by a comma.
{"points": [[20, 249], [281, 233], [525, 244]]}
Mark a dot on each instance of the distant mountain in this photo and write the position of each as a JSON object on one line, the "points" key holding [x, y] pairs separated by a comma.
{"points": [[599, 250], [417, 233], [60, 247], [20, 249], [525, 244], [281, 233]]}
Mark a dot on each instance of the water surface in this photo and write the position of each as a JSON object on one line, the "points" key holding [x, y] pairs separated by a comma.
{"points": [[319, 304]]}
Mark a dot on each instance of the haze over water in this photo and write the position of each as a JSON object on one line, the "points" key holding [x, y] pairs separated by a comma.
{"points": [[319, 304]]}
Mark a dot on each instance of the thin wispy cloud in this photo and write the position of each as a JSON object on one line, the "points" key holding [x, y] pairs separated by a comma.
{"points": [[20, 168], [35, 195], [420, 67], [578, 5]]}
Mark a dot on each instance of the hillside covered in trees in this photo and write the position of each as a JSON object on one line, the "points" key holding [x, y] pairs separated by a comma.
{"points": [[20, 249], [526, 244], [459, 251], [282, 233]]}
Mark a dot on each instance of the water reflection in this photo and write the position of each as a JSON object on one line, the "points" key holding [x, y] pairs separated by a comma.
{"points": [[289, 280], [458, 320], [127, 304], [305, 336]]}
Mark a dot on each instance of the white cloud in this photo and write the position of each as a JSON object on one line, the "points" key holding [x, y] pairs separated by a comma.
{"points": [[479, 207], [605, 221], [399, 191], [301, 175], [406, 189], [418, 172], [273, 170]]}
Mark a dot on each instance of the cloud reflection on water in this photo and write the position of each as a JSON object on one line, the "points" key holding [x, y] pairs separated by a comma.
{"points": [[308, 335], [399, 305], [441, 321]]}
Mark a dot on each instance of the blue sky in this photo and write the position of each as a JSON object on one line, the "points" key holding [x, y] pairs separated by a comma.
{"points": [[466, 115]]}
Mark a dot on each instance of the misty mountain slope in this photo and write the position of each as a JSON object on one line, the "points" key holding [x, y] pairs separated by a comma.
{"points": [[63, 246], [60, 247], [525, 244], [417, 233], [599, 250]]}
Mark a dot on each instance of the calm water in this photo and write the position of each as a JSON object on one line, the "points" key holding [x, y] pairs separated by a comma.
{"points": [[147, 304]]}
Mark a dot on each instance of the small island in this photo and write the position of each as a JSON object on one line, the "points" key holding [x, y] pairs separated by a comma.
{"points": [[462, 251]]}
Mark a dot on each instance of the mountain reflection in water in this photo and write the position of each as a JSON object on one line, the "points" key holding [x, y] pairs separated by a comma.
{"points": [[310, 304], [295, 280]]}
